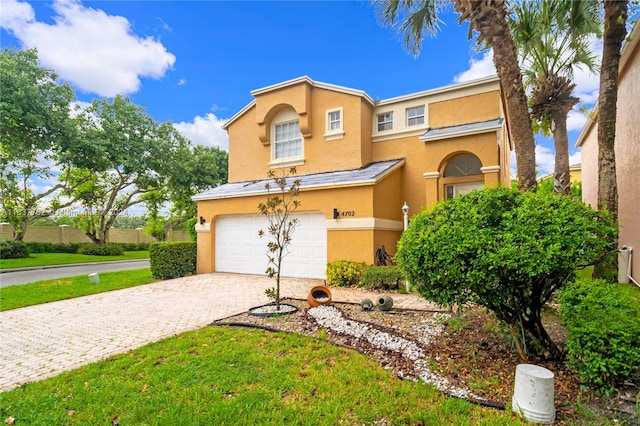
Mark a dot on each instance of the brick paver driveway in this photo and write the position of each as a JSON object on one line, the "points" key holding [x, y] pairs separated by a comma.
{"points": [[44, 340]]}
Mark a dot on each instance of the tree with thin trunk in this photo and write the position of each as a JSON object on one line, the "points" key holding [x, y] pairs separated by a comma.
{"points": [[279, 208], [415, 18], [553, 38]]}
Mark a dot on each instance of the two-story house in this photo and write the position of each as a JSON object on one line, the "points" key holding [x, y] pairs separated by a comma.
{"points": [[359, 161]]}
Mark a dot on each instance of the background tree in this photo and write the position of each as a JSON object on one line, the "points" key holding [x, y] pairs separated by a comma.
{"points": [[37, 138], [505, 250], [278, 209], [553, 38], [193, 169], [130, 153], [415, 18]]}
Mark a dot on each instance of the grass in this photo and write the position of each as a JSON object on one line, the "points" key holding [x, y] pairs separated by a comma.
{"points": [[227, 376], [46, 259], [19, 296]]}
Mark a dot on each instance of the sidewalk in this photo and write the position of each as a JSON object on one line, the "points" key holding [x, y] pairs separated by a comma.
{"points": [[45, 340]]}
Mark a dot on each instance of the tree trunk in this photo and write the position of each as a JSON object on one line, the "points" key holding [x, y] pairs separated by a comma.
{"points": [[614, 33], [489, 18], [561, 173]]}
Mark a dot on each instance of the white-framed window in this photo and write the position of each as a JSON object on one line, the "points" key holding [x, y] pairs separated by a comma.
{"points": [[415, 116], [287, 140], [385, 121], [334, 128]]}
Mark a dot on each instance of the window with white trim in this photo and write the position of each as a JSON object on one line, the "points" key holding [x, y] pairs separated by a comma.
{"points": [[415, 116], [385, 121], [287, 140], [335, 121], [334, 128]]}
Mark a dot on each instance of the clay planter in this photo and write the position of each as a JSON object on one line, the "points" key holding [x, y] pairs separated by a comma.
{"points": [[384, 303], [319, 295]]}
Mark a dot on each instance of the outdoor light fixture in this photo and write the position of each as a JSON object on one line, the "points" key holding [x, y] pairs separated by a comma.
{"points": [[202, 220], [405, 215], [335, 213]]}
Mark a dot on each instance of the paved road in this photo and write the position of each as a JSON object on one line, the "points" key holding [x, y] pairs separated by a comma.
{"points": [[29, 275]]}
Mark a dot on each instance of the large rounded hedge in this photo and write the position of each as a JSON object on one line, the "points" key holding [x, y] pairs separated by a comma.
{"points": [[503, 249]]}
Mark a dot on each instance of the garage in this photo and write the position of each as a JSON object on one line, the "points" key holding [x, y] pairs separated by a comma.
{"points": [[239, 249]]}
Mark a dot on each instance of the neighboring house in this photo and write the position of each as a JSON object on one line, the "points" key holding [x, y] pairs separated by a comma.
{"points": [[627, 146], [359, 160]]}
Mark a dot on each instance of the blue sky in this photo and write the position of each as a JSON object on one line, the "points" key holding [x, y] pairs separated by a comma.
{"points": [[195, 62]]}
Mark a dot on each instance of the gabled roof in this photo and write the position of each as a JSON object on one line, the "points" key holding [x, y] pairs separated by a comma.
{"points": [[367, 175], [462, 130], [293, 82]]}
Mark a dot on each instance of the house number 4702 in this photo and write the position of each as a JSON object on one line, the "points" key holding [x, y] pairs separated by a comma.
{"points": [[348, 213]]}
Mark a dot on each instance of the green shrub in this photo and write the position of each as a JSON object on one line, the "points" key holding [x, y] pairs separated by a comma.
{"points": [[13, 249], [173, 259], [109, 249], [505, 250], [134, 246], [344, 273], [40, 247], [190, 226], [603, 323], [382, 278]]}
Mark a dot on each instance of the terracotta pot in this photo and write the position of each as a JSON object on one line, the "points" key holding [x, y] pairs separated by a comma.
{"points": [[319, 295]]}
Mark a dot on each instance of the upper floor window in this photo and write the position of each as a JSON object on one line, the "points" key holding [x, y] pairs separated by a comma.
{"points": [[287, 140], [334, 128], [415, 116], [335, 120], [385, 121]]}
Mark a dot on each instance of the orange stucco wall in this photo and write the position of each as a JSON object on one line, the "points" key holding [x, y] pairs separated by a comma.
{"points": [[374, 209], [481, 107]]}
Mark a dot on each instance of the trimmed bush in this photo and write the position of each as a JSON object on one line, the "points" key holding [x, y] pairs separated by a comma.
{"points": [[505, 250], [603, 347], [39, 247], [12, 249], [173, 259], [109, 249], [134, 246], [344, 273], [382, 278]]}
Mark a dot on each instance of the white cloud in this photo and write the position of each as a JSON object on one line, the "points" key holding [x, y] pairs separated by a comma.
{"points": [[206, 131], [478, 68], [545, 161], [96, 52]]}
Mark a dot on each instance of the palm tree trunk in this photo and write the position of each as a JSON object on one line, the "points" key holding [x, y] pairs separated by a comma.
{"points": [[561, 174], [615, 18], [614, 33], [489, 18]]}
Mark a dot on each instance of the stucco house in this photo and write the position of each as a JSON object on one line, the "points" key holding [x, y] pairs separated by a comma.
{"points": [[359, 160], [627, 146]]}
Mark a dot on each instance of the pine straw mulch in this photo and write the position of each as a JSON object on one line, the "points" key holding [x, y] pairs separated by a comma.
{"points": [[473, 352]]}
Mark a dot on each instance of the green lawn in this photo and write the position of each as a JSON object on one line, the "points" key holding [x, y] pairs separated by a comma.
{"points": [[19, 296], [44, 259], [227, 376]]}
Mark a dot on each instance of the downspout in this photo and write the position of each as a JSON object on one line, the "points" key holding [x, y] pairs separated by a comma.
{"points": [[630, 249]]}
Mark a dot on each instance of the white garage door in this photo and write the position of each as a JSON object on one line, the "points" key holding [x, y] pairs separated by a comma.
{"points": [[239, 248]]}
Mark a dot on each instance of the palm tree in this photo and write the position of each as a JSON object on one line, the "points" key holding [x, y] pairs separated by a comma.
{"points": [[615, 30], [552, 37], [489, 18]]}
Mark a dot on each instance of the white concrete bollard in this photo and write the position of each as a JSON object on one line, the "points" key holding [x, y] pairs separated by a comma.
{"points": [[94, 278], [533, 394]]}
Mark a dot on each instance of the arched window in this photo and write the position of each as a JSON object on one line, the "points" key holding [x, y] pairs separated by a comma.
{"points": [[463, 174], [463, 165], [288, 143]]}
